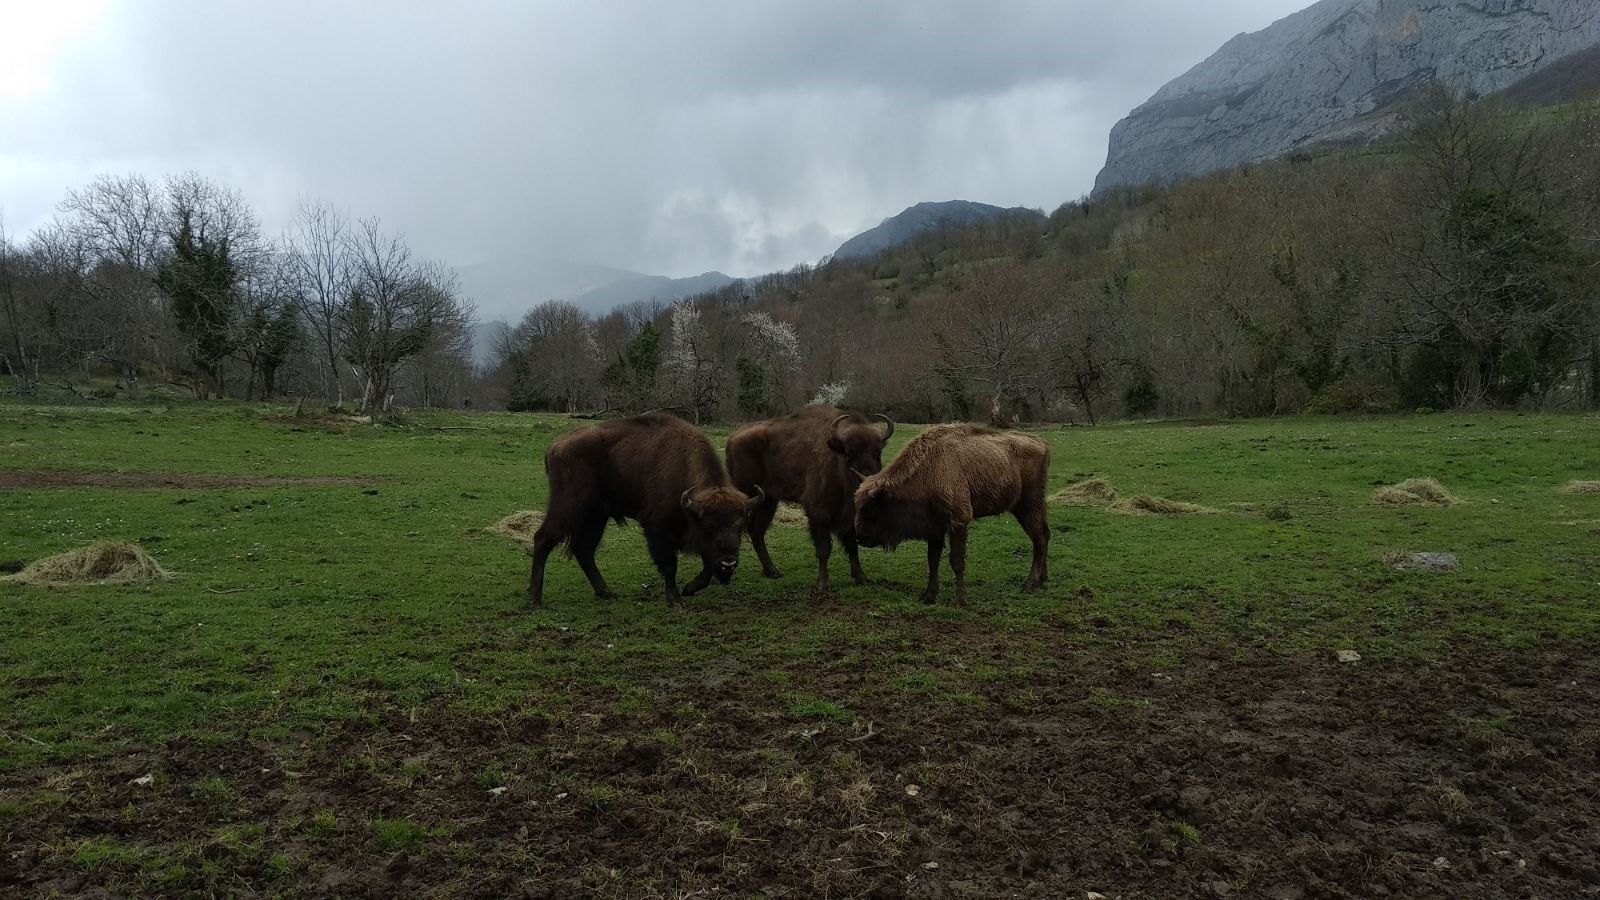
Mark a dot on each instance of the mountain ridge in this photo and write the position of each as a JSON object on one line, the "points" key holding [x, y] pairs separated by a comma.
{"points": [[1326, 73]]}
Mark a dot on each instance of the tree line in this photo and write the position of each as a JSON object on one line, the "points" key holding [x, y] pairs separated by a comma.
{"points": [[172, 283], [1455, 266]]}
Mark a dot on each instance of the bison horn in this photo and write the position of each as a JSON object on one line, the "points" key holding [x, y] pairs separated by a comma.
{"points": [[858, 473], [757, 500], [888, 426], [835, 426], [685, 498]]}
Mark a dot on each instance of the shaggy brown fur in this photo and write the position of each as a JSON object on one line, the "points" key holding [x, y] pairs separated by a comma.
{"points": [[815, 458], [944, 479], [656, 469]]}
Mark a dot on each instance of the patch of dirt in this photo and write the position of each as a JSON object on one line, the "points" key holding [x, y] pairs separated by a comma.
{"points": [[1241, 774], [1581, 487], [48, 479]]}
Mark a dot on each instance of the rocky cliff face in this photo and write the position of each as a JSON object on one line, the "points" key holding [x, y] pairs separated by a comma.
{"points": [[1329, 73]]}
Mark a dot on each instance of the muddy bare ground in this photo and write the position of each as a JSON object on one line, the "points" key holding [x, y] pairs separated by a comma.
{"points": [[47, 479], [1260, 776]]}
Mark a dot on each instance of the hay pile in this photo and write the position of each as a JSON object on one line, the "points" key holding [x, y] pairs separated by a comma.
{"points": [[106, 562], [790, 516], [1146, 505], [1581, 487], [1093, 492], [519, 526], [1415, 492]]}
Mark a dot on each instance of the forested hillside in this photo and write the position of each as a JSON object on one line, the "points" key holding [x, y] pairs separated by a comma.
{"points": [[1452, 267]]}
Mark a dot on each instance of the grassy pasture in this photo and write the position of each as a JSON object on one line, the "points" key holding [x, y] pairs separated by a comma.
{"points": [[339, 681]]}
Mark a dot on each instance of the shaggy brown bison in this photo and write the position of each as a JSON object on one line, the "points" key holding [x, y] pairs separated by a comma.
{"points": [[814, 458], [946, 477], [656, 469]]}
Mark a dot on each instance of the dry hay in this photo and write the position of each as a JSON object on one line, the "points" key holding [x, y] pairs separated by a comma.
{"points": [[1091, 492], [106, 562], [790, 516], [1414, 492], [519, 526], [1581, 487], [1146, 505]]}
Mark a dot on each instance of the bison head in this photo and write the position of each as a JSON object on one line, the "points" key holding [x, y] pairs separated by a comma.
{"points": [[859, 444], [876, 515], [717, 518]]}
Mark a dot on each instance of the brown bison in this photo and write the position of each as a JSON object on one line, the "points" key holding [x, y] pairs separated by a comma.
{"points": [[814, 458], [656, 469], [946, 477]]}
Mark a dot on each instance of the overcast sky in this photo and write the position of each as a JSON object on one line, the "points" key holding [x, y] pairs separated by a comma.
{"points": [[665, 137]]}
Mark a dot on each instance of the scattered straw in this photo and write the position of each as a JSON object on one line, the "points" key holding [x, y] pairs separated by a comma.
{"points": [[519, 526], [1146, 505], [1415, 492], [789, 515], [106, 562], [1093, 492], [1581, 487]]}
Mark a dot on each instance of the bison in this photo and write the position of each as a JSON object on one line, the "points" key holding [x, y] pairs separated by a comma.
{"points": [[656, 469], [946, 477], [815, 458]]}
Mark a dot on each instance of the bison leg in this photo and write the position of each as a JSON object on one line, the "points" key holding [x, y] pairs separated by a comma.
{"points": [[760, 521], [958, 560], [1037, 525], [935, 550], [850, 550], [664, 553], [584, 542], [544, 541], [699, 583], [822, 540]]}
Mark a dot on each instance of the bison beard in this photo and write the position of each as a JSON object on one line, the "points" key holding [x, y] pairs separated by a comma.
{"points": [[655, 469], [944, 479], [815, 458]]}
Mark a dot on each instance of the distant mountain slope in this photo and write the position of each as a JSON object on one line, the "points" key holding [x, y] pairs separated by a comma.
{"points": [[1321, 74], [923, 217], [508, 288], [603, 299], [1570, 78]]}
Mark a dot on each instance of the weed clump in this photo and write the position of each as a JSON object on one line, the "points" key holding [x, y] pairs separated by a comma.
{"points": [[519, 526], [1581, 487], [106, 562], [1146, 505], [1090, 492], [1415, 492]]}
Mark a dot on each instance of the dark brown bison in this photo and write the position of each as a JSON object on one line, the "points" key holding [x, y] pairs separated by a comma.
{"points": [[815, 458], [946, 477], [656, 469]]}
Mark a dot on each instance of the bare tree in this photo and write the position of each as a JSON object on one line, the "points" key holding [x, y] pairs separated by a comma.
{"points": [[554, 358], [117, 224], [991, 335], [318, 245], [20, 356], [396, 310]]}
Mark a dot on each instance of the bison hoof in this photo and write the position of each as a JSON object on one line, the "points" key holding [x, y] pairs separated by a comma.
{"points": [[605, 595], [929, 597], [859, 578], [771, 573]]}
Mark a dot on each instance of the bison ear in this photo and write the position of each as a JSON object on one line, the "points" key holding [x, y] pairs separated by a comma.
{"points": [[836, 445]]}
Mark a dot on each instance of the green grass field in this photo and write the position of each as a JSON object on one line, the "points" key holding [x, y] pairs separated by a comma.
{"points": [[338, 681]]}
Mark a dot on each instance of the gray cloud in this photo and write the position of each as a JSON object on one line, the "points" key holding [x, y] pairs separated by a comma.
{"points": [[665, 137]]}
